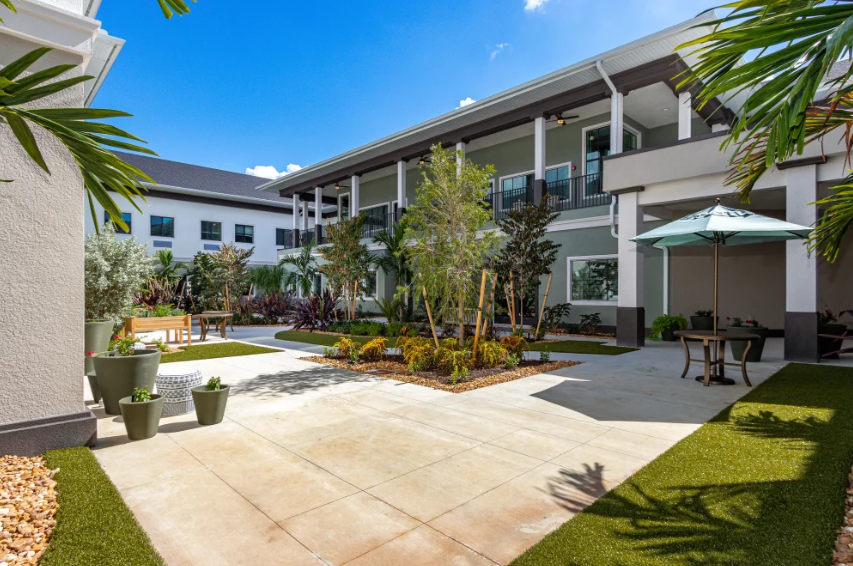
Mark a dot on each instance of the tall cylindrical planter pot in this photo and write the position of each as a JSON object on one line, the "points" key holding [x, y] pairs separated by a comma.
{"points": [[210, 405], [737, 347], [97, 334], [118, 376], [827, 345], [176, 390], [141, 420], [702, 322]]}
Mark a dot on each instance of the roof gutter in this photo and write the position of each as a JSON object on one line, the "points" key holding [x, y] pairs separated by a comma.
{"points": [[219, 196]]}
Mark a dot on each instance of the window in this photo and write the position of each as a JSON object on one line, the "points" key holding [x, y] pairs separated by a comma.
{"points": [[557, 174], [370, 284], [244, 234], [281, 237], [597, 144], [163, 226], [343, 206], [517, 182], [593, 280], [211, 230], [124, 216]]}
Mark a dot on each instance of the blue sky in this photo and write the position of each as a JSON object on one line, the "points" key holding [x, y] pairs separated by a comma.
{"points": [[275, 83]]}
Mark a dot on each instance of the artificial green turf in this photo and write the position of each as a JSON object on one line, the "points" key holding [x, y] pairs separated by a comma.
{"points": [[325, 339], [211, 351], [761, 484], [579, 347], [93, 524]]}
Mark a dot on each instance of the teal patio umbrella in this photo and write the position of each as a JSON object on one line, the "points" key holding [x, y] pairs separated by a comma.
{"points": [[722, 226]]}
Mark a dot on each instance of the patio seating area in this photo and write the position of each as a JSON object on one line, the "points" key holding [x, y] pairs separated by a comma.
{"points": [[328, 466]]}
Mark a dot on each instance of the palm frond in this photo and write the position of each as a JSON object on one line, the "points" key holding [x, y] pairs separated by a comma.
{"points": [[8, 4], [179, 6]]}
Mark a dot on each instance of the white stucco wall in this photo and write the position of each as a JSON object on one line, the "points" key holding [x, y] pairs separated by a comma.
{"points": [[188, 216], [41, 243]]}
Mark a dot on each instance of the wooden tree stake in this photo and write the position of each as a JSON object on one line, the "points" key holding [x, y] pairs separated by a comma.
{"points": [[479, 312], [429, 314], [542, 310], [354, 299], [512, 298], [491, 318]]}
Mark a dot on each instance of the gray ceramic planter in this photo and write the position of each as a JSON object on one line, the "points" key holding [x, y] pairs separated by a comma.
{"points": [[96, 339], [757, 348], [118, 376], [141, 420], [702, 322], [210, 405]]}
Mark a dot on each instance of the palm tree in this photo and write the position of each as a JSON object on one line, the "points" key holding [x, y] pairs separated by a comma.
{"points": [[168, 270], [393, 261], [304, 271], [167, 6], [796, 43], [268, 279]]}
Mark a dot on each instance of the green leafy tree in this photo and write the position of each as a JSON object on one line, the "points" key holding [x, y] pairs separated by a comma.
{"points": [[447, 248], [394, 261], [114, 271], [202, 294], [527, 255], [347, 258], [229, 278], [795, 44], [302, 270], [169, 268]]}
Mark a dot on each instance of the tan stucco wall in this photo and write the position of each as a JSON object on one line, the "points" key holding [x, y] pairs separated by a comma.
{"points": [[41, 243]]}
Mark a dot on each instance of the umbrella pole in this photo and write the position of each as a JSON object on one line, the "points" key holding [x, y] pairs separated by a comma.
{"points": [[716, 279]]}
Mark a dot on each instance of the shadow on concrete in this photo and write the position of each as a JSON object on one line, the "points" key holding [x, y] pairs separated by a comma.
{"points": [[296, 382]]}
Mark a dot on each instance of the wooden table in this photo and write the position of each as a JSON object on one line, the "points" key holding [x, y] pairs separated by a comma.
{"points": [[219, 319], [715, 364]]}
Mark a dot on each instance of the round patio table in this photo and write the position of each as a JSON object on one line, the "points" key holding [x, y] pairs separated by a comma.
{"points": [[217, 318], [715, 364]]}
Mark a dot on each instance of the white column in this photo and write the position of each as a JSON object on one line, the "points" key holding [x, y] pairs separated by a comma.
{"points": [[631, 256], [296, 212], [354, 196], [685, 115], [460, 147], [539, 148], [401, 184], [617, 122], [318, 206], [800, 268], [304, 216]]}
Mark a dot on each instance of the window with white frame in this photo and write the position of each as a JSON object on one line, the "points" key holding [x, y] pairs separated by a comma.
{"points": [[593, 280], [596, 144], [369, 288]]}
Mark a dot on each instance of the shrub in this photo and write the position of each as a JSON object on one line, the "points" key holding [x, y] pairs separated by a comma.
{"points": [[341, 327], [459, 374], [393, 329], [449, 344], [418, 353], [366, 328], [667, 322], [316, 311], [354, 356], [515, 345], [375, 350], [160, 345], [491, 354], [512, 361], [589, 323], [114, 271], [545, 356], [553, 316], [214, 384], [704, 313], [278, 306], [328, 352], [345, 346], [451, 361]]}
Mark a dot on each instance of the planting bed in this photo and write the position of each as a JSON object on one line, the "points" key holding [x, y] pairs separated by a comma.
{"points": [[393, 367]]}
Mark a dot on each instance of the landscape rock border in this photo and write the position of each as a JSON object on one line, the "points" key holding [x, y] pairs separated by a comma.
{"points": [[27, 509]]}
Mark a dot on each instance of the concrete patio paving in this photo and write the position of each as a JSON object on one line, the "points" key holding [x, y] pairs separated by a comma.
{"points": [[316, 465]]}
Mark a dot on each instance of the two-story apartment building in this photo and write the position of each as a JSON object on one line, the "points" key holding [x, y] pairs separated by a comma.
{"points": [[619, 150], [195, 209]]}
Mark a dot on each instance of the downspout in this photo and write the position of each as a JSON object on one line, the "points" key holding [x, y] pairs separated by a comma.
{"points": [[605, 76]]}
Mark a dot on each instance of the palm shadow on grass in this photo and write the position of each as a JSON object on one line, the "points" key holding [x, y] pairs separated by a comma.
{"points": [[763, 483]]}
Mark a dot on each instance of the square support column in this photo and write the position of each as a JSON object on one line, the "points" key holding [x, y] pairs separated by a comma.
{"points": [[801, 308], [630, 312], [617, 122], [295, 242], [539, 183], [401, 190], [685, 115], [304, 227], [318, 214], [354, 196]]}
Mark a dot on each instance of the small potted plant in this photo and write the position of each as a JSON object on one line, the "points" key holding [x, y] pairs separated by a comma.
{"points": [[749, 326], [702, 320], [665, 326], [210, 401], [123, 369], [141, 413], [829, 324]]}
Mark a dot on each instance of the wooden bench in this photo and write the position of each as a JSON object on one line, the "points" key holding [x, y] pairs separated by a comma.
{"points": [[134, 324]]}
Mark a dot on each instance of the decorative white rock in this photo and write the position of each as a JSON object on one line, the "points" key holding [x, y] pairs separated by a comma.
{"points": [[176, 390]]}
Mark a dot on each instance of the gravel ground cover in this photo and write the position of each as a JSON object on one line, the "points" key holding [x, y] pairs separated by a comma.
{"points": [[764, 483], [844, 543], [27, 509], [393, 368]]}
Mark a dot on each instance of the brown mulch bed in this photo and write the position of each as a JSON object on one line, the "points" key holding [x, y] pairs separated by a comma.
{"points": [[27, 509], [843, 555], [392, 367]]}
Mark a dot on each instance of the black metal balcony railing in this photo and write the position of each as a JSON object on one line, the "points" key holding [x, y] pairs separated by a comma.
{"points": [[577, 192], [286, 239], [504, 202], [375, 224], [306, 237]]}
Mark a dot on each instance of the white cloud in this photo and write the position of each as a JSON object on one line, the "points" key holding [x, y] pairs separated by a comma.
{"points": [[270, 172], [467, 102], [500, 47], [533, 5]]}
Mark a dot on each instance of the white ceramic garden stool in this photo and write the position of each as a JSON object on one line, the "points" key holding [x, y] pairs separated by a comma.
{"points": [[176, 390]]}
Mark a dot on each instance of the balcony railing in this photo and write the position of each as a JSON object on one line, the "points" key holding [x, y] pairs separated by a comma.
{"points": [[375, 224], [504, 202], [306, 237], [577, 192], [286, 240]]}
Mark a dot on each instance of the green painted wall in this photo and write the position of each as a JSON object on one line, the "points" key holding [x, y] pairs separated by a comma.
{"points": [[669, 133]]}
